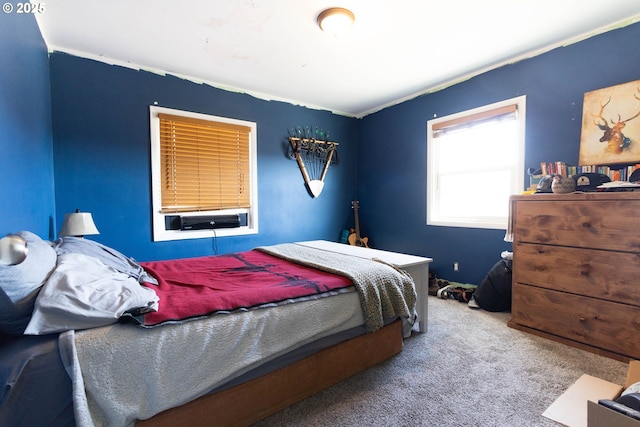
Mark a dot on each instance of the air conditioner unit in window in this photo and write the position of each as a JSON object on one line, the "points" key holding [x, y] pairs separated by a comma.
{"points": [[204, 222]]}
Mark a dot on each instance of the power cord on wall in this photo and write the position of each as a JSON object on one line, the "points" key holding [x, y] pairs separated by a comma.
{"points": [[214, 242]]}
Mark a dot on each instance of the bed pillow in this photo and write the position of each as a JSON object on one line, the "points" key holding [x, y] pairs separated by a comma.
{"points": [[83, 293], [20, 284], [109, 256]]}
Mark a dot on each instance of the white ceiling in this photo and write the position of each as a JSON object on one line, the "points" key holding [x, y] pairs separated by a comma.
{"points": [[273, 49]]}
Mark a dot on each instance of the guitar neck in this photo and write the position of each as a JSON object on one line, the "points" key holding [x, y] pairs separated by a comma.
{"points": [[357, 240]]}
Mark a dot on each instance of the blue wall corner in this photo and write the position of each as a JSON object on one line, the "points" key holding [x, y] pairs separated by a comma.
{"points": [[393, 145], [97, 150], [26, 162]]}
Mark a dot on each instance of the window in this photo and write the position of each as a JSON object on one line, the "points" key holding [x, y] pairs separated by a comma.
{"points": [[475, 162], [202, 166]]}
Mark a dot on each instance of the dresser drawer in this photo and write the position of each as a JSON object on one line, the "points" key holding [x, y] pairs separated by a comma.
{"points": [[603, 224], [602, 324], [611, 276]]}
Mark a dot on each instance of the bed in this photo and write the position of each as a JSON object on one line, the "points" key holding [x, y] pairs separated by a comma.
{"points": [[188, 342]]}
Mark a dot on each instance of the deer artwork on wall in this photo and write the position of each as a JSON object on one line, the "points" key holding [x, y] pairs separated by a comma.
{"points": [[613, 136]]}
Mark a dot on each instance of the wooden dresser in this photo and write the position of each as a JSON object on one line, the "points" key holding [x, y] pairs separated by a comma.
{"points": [[576, 270]]}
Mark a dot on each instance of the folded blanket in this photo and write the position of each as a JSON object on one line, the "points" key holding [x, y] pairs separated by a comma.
{"points": [[385, 291]]}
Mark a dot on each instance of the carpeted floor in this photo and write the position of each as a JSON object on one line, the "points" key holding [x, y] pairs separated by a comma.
{"points": [[469, 369]]}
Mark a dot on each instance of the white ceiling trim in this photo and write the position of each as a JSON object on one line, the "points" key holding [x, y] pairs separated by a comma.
{"points": [[532, 54]]}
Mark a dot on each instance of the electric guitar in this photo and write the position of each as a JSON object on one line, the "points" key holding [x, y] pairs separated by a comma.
{"points": [[354, 237]]}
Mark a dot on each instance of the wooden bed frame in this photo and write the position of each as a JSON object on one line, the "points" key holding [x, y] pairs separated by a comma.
{"points": [[254, 400]]}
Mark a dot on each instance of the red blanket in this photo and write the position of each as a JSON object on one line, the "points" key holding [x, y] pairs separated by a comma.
{"points": [[195, 287]]}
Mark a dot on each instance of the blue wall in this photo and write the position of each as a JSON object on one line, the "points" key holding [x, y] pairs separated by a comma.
{"points": [[392, 151], [26, 166], [101, 158], [100, 148]]}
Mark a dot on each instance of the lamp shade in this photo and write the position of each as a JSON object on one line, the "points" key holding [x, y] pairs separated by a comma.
{"points": [[78, 224], [13, 250]]}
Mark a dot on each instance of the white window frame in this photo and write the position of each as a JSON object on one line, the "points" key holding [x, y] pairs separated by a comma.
{"points": [[160, 233], [437, 218]]}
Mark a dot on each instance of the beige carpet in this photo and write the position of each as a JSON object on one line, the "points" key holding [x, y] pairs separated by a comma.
{"points": [[469, 369]]}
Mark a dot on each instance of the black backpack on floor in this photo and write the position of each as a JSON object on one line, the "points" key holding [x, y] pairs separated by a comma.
{"points": [[494, 292]]}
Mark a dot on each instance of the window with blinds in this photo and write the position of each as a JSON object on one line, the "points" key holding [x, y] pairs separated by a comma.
{"points": [[201, 165], [475, 163], [204, 164]]}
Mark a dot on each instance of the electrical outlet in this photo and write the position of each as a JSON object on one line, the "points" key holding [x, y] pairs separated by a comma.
{"points": [[456, 266]]}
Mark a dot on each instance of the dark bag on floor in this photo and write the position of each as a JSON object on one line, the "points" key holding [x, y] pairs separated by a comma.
{"points": [[494, 292]]}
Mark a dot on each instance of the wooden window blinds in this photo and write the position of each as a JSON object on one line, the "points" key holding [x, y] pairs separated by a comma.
{"points": [[204, 165], [506, 112]]}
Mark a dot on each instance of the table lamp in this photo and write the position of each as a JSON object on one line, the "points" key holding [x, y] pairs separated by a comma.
{"points": [[78, 224]]}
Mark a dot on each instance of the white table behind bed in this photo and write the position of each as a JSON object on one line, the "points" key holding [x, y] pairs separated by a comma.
{"points": [[416, 266]]}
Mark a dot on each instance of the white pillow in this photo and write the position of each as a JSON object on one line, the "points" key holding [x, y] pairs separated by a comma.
{"points": [[84, 293], [19, 284]]}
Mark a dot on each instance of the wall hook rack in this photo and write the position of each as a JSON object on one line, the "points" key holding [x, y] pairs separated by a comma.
{"points": [[314, 158]]}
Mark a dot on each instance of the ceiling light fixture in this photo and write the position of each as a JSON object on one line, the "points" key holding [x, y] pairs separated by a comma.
{"points": [[335, 20]]}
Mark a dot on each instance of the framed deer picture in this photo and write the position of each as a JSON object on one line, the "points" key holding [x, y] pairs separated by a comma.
{"points": [[611, 125]]}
